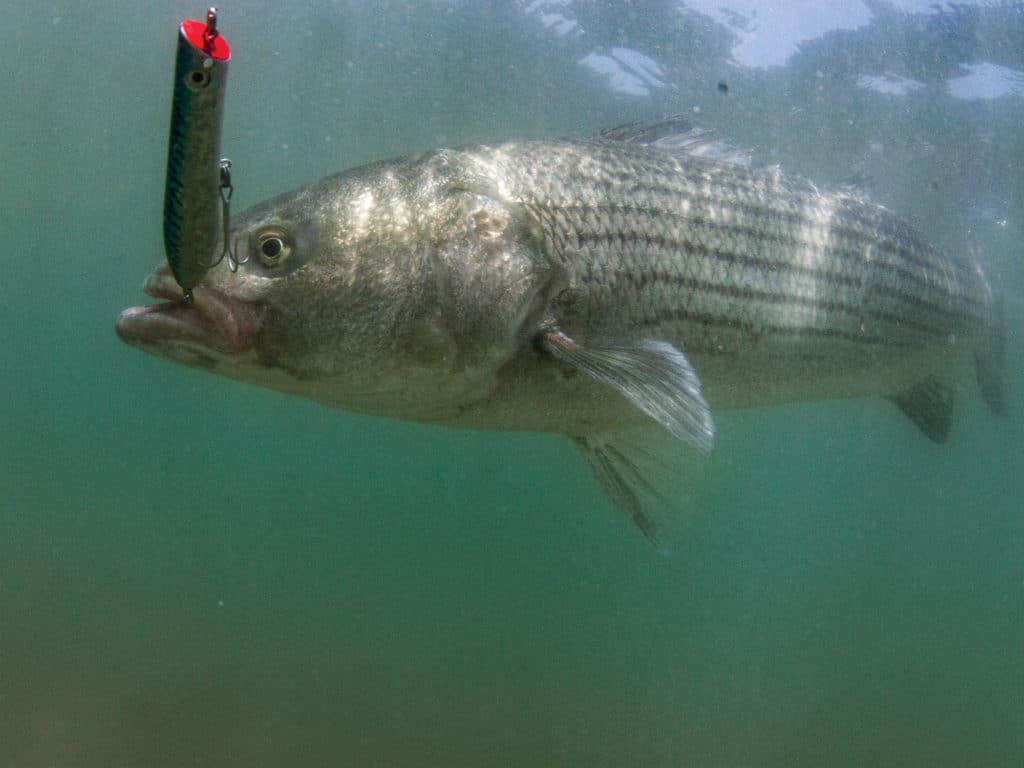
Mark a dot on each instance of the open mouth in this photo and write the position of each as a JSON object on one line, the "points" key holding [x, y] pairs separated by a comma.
{"points": [[213, 321]]}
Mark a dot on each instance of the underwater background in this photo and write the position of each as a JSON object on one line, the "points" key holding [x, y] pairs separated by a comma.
{"points": [[195, 572]]}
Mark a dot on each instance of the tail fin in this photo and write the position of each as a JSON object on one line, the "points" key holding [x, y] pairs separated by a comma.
{"points": [[989, 361]]}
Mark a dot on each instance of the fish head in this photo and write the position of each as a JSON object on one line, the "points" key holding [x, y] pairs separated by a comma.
{"points": [[389, 290]]}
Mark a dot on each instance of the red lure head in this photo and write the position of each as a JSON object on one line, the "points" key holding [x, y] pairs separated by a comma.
{"points": [[205, 37]]}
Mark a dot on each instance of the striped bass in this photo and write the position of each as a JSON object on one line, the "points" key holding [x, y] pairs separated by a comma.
{"points": [[607, 289]]}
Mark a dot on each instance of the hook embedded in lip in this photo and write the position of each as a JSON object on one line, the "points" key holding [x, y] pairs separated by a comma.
{"points": [[211, 320], [161, 285]]}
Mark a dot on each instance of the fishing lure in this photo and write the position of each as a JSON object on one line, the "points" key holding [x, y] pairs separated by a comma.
{"points": [[198, 187]]}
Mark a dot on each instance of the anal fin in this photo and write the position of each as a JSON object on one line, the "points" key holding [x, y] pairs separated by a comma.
{"points": [[929, 404], [643, 475]]}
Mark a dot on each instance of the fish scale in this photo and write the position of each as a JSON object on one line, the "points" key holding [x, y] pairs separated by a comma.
{"points": [[748, 251]]}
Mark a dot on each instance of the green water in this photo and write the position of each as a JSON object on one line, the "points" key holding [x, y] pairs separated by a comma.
{"points": [[198, 573]]}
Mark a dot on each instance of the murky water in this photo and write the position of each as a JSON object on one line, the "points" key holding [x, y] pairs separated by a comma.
{"points": [[196, 572]]}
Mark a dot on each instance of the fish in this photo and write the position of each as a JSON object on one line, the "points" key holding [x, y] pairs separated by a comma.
{"points": [[617, 289]]}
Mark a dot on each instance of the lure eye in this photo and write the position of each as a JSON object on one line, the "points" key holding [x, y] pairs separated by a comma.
{"points": [[273, 248], [197, 79]]}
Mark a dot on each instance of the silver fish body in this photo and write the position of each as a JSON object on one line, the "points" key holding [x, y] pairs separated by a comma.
{"points": [[777, 290], [597, 288]]}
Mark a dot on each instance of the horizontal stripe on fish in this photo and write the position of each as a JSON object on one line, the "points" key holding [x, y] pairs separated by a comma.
{"points": [[639, 280], [760, 329], [851, 249], [569, 232]]}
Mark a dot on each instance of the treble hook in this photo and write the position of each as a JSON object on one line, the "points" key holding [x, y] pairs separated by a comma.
{"points": [[229, 250], [226, 191]]}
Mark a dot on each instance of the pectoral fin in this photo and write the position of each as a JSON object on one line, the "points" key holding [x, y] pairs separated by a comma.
{"points": [[640, 471], [929, 405], [653, 375]]}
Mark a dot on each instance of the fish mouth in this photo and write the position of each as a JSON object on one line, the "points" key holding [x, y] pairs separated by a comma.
{"points": [[212, 321]]}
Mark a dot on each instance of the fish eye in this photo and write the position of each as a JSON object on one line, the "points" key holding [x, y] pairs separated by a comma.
{"points": [[273, 248]]}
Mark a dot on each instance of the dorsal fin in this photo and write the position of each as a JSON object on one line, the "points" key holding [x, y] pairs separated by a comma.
{"points": [[678, 134], [641, 132]]}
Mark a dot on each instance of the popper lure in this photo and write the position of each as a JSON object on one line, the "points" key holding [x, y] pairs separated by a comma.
{"points": [[198, 187]]}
